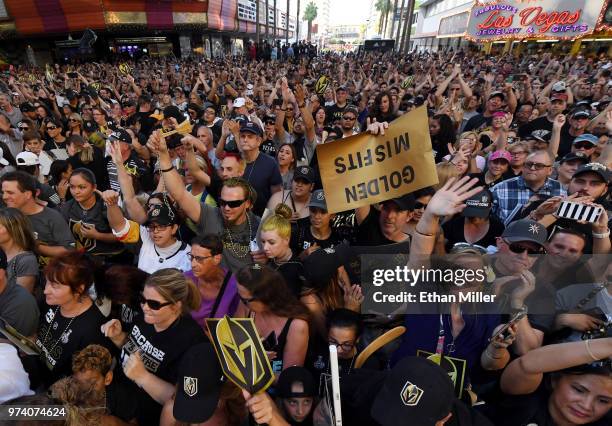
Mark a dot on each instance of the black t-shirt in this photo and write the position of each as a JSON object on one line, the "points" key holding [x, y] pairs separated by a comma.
{"points": [[97, 167], [76, 216], [262, 174], [565, 141], [481, 179], [268, 147], [59, 338], [334, 113], [478, 122], [453, 232], [119, 399], [161, 354], [540, 123], [293, 273], [369, 233], [302, 238]]}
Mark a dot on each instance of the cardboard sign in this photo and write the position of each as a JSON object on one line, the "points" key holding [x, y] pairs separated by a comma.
{"points": [[364, 169], [321, 85], [125, 69], [544, 19], [241, 354], [23, 343], [454, 367]]}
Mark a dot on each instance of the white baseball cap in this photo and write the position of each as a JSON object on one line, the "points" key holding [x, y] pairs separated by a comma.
{"points": [[27, 158], [239, 102], [2, 159]]}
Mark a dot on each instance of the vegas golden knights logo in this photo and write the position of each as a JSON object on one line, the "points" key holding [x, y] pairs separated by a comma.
{"points": [[190, 385], [321, 85], [241, 353], [411, 394], [125, 69], [82, 242]]}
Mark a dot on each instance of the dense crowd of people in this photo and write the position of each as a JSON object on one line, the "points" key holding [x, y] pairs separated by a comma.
{"points": [[140, 198]]}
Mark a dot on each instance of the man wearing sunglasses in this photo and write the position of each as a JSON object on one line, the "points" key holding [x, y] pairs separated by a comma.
{"points": [[585, 145], [511, 195]]}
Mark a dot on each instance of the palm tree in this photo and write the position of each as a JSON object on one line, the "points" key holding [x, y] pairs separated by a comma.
{"points": [[394, 11], [267, 20], [383, 7], [310, 14], [297, 22], [287, 23]]}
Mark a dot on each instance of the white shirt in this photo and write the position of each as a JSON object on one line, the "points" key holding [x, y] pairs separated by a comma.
{"points": [[14, 381], [171, 256]]}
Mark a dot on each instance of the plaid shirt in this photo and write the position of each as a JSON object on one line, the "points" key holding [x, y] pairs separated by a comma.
{"points": [[509, 196]]}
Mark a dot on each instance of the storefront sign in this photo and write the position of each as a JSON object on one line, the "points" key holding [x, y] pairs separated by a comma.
{"points": [[363, 169], [539, 19]]}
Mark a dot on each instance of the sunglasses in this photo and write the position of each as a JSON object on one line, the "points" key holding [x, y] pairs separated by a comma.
{"points": [[23, 128], [74, 120], [535, 166], [518, 248], [231, 204], [583, 145], [155, 305], [197, 258], [51, 127], [348, 118], [458, 247], [418, 205], [247, 301]]}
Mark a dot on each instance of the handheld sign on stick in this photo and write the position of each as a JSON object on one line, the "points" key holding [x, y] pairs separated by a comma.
{"points": [[333, 360], [578, 211]]}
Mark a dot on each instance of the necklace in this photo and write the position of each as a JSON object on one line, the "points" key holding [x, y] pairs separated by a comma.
{"points": [[231, 239], [163, 259], [45, 339], [252, 168]]}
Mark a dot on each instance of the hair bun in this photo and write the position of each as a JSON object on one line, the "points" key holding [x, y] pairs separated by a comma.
{"points": [[284, 211]]}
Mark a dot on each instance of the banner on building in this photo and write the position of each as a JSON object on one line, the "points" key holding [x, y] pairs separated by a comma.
{"points": [[539, 19], [364, 169]]}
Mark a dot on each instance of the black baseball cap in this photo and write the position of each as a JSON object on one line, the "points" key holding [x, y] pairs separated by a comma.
{"points": [[162, 215], [405, 202], [416, 389], [541, 135], [574, 156], [27, 107], [121, 135], [597, 168], [199, 385], [525, 230], [317, 199], [292, 375], [304, 172], [251, 127], [321, 266], [173, 112], [581, 113], [478, 205]]}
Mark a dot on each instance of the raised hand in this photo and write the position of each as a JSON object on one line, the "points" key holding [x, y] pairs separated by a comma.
{"points": [[449, 199], [559, 121]]}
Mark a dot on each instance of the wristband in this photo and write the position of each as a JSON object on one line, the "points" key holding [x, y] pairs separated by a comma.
{"points": [[587, 344], [167, 170], [602, 235]]}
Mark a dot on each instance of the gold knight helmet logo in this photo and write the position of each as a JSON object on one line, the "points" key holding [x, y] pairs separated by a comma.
{"points": [[411, 394], [190, 385]]}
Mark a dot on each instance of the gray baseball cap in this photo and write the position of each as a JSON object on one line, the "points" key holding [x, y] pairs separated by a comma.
{"points": [[525, 230], [317, 199]]}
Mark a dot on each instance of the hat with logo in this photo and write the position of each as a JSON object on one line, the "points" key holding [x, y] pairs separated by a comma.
{"points": [[559, 86], [405, 202], [596, 168], [27, 107], [250, 127], [525, 230], [581, 113], [199, 384], [293, 375], [304, 172], [90, 126], [317, 199], [541, 135], [497, 94], [27, 158], [571, 156], [239, 102], [478, 205], [341, 88], [587, 137], [173, 112], [321, 266], [3, 160], [162, 215], [121, 135], [496, 155], [558, 97], [416, 389]]}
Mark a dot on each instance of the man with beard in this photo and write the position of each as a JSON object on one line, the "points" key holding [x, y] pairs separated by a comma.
{"points": [[232, 220], [494, 104], [588, 185], [348, 121]]}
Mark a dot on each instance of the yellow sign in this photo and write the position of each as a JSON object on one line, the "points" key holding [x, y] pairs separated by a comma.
{"points": [[96, 85], [364, 169], [241, 354], [321, 85], [407, 82], [125, 69]]}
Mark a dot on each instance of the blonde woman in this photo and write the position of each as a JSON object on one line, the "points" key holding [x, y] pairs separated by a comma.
{"points": [[18, 243], [445, 170], [165, 328], [469, 143], [275, 237], [84, 155]]}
